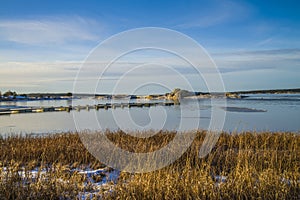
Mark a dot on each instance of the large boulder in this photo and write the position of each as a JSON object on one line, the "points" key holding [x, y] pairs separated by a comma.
{"points": [[178, 94]]}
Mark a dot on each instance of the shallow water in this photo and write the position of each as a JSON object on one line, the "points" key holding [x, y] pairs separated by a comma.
{"points": [[256, 112]]}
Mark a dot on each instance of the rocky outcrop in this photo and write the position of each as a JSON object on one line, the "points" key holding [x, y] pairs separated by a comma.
{"points": [[178, 94], [232, 95]]}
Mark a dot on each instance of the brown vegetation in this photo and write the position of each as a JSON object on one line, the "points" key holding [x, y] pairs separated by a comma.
{"points": [[241, 166]]}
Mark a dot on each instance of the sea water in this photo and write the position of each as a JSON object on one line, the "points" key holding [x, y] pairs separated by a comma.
{"points": [[256, 112]]}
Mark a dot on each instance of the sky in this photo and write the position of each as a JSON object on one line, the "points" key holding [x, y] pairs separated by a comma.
{"points": [[43, 44]]}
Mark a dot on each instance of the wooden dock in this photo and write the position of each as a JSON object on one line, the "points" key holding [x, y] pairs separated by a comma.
{"points": [[106, 106]]}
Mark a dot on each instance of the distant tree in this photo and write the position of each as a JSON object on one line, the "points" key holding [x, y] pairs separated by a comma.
{"points": [[69, 94], [9, 93]]}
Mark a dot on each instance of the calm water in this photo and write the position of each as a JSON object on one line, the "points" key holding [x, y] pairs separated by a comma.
{"points": [[257, 112]]}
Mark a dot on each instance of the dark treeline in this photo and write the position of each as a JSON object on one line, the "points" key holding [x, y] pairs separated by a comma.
{"points": [[275, 91]]}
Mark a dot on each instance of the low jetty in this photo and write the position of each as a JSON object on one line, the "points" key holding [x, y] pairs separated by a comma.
{"points": [[106, 106]]}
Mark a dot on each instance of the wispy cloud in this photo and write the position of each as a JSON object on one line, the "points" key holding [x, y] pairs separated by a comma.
{"points": [[49, 30], [221, 12], [39, 75], [280, 59], [287, 53], [265, 41]]}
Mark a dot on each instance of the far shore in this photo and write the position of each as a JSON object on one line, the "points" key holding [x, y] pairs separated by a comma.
{"points": [[175, 95]]}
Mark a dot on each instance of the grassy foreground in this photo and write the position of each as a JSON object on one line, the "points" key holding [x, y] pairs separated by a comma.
{"points": [[241, 166]]}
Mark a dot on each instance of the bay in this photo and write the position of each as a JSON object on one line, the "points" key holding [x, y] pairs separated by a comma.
{"points": [[256, 112]]}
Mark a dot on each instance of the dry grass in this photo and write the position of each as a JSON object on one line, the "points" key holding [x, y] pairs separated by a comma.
{"points": [[241, 166]]}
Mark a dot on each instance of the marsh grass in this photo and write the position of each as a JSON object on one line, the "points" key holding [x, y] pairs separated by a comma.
{"points": [[245, 165]]}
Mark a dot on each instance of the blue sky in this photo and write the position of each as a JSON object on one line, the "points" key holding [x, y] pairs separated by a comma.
{"points": [[255, 44]]}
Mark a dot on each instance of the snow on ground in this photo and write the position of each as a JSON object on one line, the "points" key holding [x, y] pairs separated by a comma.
{"points": [[95, 180], [107, 182], [103, 179]]}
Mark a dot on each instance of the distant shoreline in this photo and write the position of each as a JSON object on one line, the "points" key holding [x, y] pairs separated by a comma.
{"points": [[174, 95], [276, 91]]}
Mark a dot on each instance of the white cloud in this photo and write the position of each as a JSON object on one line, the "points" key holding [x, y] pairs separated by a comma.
{"points": [[60, 76], [265, 41], [221, 12], [279, 59], [25, 75], [51, 30]]}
